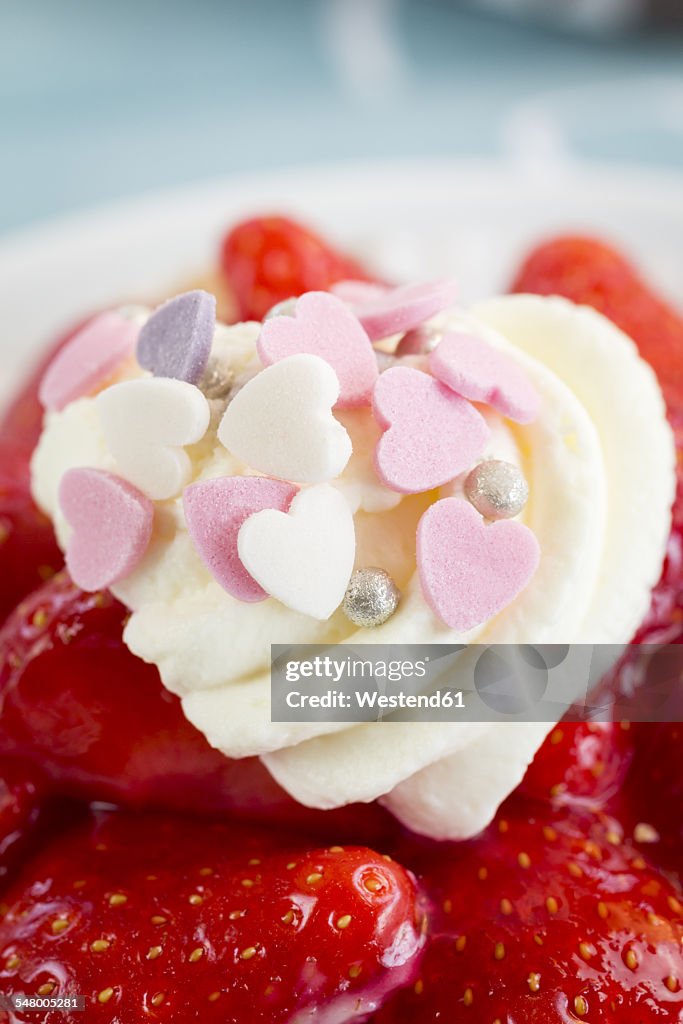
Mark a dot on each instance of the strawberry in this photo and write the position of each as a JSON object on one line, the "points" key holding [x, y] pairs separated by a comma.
{"points": [[548, 917], [663, 623], [268, 259], [160, 918], [28, 550], [579, 761], [589, 272], [102, 726], [22, 421], [21, 811], [592, 273], [653, 793], [97, 719]]}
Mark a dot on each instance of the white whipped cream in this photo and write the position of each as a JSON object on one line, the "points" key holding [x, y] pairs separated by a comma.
{"points": [[600, 465]]}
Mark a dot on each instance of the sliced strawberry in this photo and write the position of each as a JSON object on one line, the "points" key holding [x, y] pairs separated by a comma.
{"points": [[164, 919], [28, 550], [579, 761], [74, 700], [590, 272], [268, 259], [547, 918]]}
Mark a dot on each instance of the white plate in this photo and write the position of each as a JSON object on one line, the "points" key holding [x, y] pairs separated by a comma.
{"points": [[411, 219]]}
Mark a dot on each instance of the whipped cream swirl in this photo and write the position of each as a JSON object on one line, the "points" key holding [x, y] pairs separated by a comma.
{"points": [[599, 461]]}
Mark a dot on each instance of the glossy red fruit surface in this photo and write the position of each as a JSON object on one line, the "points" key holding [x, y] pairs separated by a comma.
{"points": [[154, 918], [28, 550], [22, 801], [592, 273], [268, 259], [21, 421], [589, 272], [99, 722], [584, 761], [652, 797], [549, 917]]}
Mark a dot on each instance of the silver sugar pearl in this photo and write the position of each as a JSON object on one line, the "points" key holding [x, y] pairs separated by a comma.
{"points": [[419, 341], [371, 597], [285, 308], [217, 381], [497, 489]]}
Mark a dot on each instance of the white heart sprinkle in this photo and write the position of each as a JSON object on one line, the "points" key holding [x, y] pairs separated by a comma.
{"points": [[281, 422], [146, 424], [303, 557]]}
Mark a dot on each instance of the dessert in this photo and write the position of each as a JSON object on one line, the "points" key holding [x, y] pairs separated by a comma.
{"points": [[266, 491], [367, 464]]}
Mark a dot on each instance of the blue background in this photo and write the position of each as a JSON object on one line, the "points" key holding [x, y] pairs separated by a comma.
{"points": [[104, 99]]}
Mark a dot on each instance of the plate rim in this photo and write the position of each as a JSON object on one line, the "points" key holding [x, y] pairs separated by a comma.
{"points": [[622, 177], [30, 254]]}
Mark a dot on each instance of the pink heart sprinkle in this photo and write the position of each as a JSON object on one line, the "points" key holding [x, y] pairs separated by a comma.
{"points": [[357, 292], [112, 526], [470, 571], [431, 434], [215, 511], [478, 371], [88, 360], [402, 309], [323, 326]]}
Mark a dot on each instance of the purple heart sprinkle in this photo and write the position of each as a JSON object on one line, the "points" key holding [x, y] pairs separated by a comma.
{"points": [[176, 340]]}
